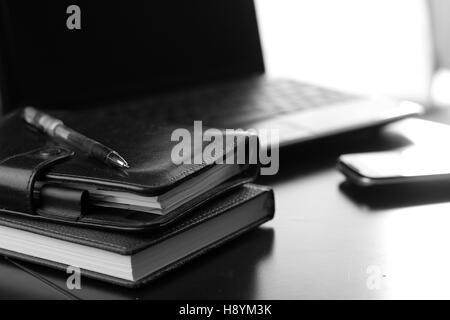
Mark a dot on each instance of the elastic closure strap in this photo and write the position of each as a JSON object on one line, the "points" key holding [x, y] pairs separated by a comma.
{"points": [[19, 173], [62, 203]]}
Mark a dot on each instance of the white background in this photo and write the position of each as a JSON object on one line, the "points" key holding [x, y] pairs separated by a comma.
{"points": [[368, 46]]}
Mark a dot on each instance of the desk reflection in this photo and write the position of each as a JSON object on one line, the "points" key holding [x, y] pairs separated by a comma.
{"points": [[16, 283]]}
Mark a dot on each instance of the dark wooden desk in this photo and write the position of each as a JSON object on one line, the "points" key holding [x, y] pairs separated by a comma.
{"points": [[326, 242]]}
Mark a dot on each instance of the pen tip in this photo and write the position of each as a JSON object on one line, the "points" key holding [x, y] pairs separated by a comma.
{"points": [[118, 161], [126, 165], [123, 164]]}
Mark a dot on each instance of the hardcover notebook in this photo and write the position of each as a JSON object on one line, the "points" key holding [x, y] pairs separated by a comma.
{"points": [[133, 259], [42, 178]]}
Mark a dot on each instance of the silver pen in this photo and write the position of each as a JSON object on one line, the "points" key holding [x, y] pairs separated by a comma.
{"points": [[56, 129]]}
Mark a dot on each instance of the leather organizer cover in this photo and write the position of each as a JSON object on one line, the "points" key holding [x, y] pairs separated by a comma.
{"points": [[130, 243], [27, 156]]}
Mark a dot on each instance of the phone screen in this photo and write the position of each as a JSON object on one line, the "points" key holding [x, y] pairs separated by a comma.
{"points": [[407, 162]]}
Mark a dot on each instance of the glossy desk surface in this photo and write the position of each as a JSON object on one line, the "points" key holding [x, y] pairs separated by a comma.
{"points": [[326, 242]]}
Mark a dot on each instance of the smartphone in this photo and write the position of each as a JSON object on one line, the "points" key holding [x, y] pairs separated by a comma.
{"points": [[407, 165]]}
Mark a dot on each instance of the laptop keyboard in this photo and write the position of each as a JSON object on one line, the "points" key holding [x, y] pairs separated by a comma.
{"points": [[301, 112], [243, 101]]}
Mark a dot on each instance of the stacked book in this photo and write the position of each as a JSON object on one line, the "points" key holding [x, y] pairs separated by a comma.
{"points": [[60, 208]]}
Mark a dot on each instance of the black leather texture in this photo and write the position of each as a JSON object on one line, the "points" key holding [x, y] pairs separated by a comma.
{"points": [[132, 243], [147, 147], [19, 173]]}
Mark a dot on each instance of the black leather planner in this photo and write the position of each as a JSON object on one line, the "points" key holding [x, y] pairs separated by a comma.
{"points": [[28, 156]]}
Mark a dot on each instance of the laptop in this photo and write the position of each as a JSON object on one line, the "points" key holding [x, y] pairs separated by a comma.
{"points": [[187, 60]]}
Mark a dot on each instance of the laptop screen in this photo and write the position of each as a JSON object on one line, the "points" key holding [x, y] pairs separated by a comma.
{"points": [[121, 50]]}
